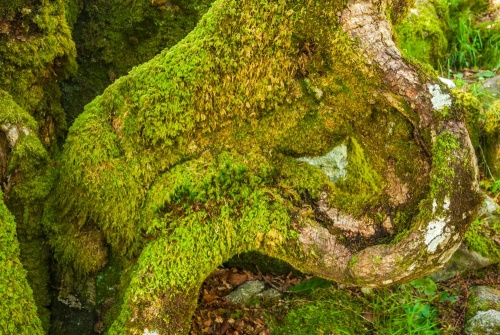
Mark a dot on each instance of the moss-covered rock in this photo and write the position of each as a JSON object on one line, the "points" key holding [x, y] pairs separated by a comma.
{"points": [[482, 298], [483, 311], [483, 236]]}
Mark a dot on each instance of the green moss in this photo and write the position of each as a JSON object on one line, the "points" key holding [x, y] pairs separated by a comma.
{"points": [[490, 54], [423, 35], [114, 36], [36, 51], [480, 237], [469, 108], [209, 210], [363, 185], [13, 114], [18, 313], [195, 158], [330, 311], [442, 171], [491, 140], [72, 10], [9, 8], [28, 186]]}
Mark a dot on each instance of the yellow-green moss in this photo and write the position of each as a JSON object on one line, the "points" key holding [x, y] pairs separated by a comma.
{"points": [[423, 35], [470, 110], [362, 188], [481, 235], [188, 161], [491, 141], [36, 50], [28, 186], [114, 36], [18, 312]]}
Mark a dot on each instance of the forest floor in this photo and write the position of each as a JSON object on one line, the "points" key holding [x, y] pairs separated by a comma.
{"points": [[215, 315]]}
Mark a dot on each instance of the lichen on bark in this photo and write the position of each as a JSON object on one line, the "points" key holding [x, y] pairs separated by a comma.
{"points": [[191, 159]]}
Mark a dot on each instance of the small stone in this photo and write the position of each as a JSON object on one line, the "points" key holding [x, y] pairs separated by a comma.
{"points": [[450, 83], [333, 163], [492, 86], [463, 260], [245, 292], [367, 291], [269, 294]]}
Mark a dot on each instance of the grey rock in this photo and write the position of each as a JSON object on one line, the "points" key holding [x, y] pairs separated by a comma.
{"points": [[488, 208], [245, 292], [463, 260], [492, 86], [333, 163], [450, 83], [269, 294], [484, 323], [481, 299]]}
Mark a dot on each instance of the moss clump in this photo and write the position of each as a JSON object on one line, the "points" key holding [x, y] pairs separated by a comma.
{"points": [[209, 210], [491, 138], [28, 185], [72, 9], [362, 188], [114, 36], [188, 161], [18, 312], [481, 237], [442, 171], [470, 110], [423, 35], [36, 50]]}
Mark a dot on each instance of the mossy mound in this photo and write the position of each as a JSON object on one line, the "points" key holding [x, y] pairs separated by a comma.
{"points": [[18, 312], [36, 50], [424, 34], [450, 35], [491, 138], [114, 36], [482, 237], [27, 184]]}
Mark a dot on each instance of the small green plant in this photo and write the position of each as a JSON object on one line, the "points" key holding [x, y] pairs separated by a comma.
{"points": [[402, 309], [408, 308], [467, 45]]}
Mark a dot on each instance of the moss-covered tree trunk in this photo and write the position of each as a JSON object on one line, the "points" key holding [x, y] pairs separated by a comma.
{"points": [[36, 51], [289, 127]]}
